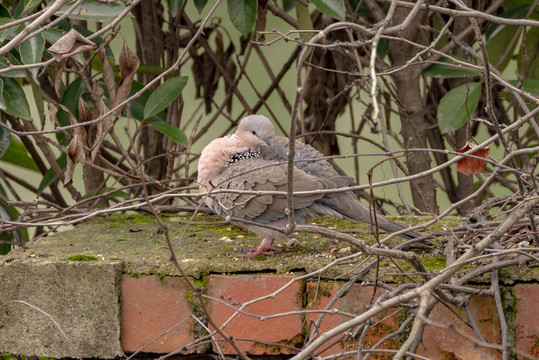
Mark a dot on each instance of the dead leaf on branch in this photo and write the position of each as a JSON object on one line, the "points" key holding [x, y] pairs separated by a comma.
{"points": [[469, 166], [129, 63], [58, 77], [105, 125], [77, 148], [76, 152], [108, 73], [70, 44]]}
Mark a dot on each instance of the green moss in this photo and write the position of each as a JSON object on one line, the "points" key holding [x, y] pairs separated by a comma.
{"points": [[314, 293], [208, 246], [161, 276], [402, 315], [196, 329], [144, 219], [81, 257], [122, 219], [434, 262], [509, 306], [202, 282]]}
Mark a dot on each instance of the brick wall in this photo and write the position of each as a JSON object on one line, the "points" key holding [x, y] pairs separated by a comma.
{"points": [[280, 322]]}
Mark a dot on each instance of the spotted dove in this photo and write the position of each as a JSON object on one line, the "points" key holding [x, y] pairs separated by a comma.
{"points": [[254, 159]]}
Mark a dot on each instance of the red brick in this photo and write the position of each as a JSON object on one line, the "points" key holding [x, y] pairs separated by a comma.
{"points": [[442, 343], [243, 288], [355, 301], [527, 318], [151, 306]]}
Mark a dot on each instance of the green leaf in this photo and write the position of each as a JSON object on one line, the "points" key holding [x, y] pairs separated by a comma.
{"points": [[24, 7], [50, 176], [31, 51], [242, 14], [136, 106], [15, 99], [156, 121], [333, 8], [5, 141], [529, 85], [6, 236], [52, 35], [383, 48], [304, 21], [70, 99], [172, 132], [10, 213], [200, 4], [512, 13], [497, 47], [499, 37], [13, 61], [360, 7], [38, 98], [2, 102], [92, 10], [8, 31], [532, 39], [164, 95], [116, 194], [17, 154], [288, 5], [457, 105], [4, 12], [174, 6], [448, 72]]}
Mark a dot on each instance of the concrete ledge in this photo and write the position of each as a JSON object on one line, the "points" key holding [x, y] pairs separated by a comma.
{"points": [[46, 302], [127, 296]]}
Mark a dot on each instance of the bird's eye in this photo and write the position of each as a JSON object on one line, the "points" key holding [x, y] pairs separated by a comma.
{"points": [[254, 132]]}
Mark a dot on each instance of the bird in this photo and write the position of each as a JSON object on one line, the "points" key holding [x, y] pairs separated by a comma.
{"points": [[254, 159]]}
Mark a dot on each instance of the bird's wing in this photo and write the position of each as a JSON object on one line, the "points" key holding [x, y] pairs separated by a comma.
{"points": [[278, 151], [263, 175]]}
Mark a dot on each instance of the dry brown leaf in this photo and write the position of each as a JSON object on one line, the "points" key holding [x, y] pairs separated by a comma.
{"points": [[70, 44], [108, 73], [58, 77], [77, 148], [129, 63], [52, 113], [105, 125], [469, 166], [84, 111], [76, 152]]}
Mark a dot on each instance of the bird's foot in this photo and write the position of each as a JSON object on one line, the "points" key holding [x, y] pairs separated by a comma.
{"points": [[265, 248]]}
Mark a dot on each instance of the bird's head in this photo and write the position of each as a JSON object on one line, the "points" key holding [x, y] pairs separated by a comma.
{"points": [[255, 132]]}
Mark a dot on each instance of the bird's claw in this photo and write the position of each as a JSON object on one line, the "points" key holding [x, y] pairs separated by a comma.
{"points": [[265, 248]]}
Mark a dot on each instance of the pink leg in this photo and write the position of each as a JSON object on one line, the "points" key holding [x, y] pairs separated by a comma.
{"points": [[265, 248]]}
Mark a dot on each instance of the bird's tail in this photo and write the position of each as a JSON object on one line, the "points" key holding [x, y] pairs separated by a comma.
{"points": [[349, 207]]}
